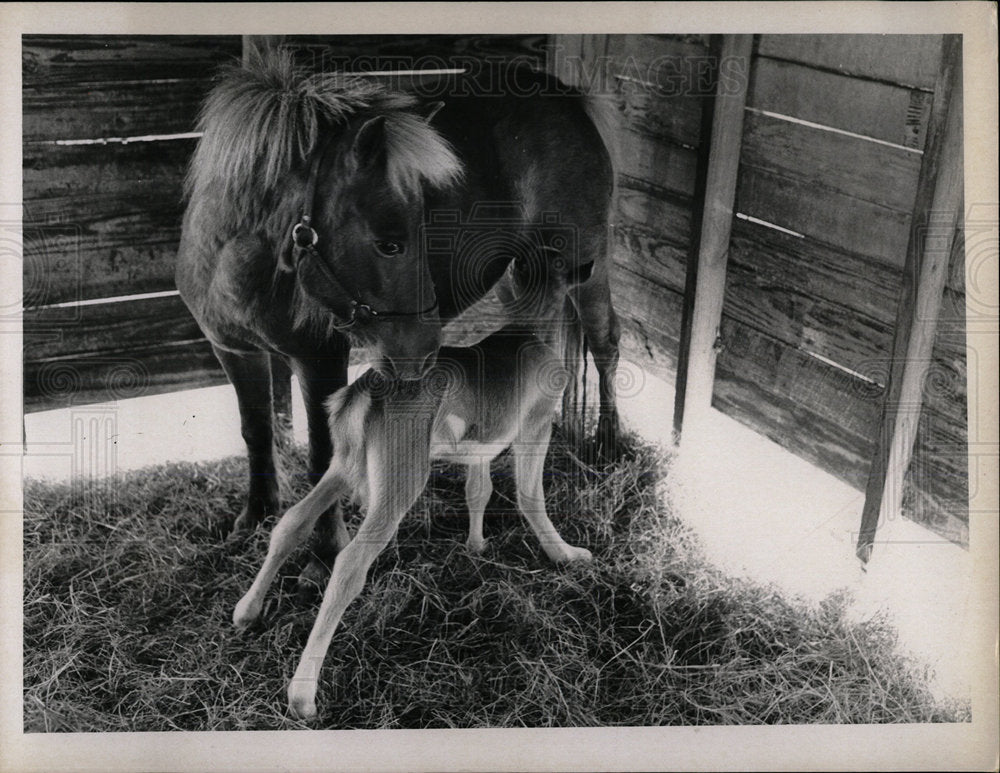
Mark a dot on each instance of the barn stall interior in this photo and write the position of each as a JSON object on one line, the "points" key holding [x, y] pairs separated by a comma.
{"points": [[789, 250]]}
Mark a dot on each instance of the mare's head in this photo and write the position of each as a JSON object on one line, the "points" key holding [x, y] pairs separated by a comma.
{"points": [[368, 267], [346, 163]]}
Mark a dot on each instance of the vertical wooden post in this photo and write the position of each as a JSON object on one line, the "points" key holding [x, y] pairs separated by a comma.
{"points": [[704, 294], [936, 212], [697, 212]]}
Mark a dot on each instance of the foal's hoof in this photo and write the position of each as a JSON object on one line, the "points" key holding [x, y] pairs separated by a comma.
{"points": [[576, 555], [246, 612], [475, 546], [254, 513], [302, 701]]}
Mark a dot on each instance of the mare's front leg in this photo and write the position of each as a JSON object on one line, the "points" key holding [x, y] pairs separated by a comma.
{"points": [[250, 376], [320, 377], [397, 467]]}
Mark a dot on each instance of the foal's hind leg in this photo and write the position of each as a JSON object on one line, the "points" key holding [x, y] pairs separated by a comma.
{"points": [[319, 378], [250, 376], [529, 461], [602, 329], [478, 488]]}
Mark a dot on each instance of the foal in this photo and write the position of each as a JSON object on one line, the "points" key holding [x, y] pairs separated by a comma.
{"points": [[479, 400]]}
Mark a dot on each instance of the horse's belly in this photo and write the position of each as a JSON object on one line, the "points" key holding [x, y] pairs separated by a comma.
{"points": [[468, 451]]}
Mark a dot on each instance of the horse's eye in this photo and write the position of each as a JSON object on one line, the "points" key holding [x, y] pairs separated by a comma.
{"points": [[389, 249]]}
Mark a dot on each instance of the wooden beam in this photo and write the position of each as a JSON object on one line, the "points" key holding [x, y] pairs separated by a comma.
{"points": [[936, 213], [694, 247], [706, 281]]}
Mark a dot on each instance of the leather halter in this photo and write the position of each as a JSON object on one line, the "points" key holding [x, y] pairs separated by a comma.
{"points": [[304, 241]]}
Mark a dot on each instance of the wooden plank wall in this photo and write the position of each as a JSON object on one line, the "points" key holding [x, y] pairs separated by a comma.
{"points": [[102, 219], [834, 130], [831, 154]]}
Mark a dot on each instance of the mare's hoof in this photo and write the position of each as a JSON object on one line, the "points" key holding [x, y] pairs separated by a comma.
{"points": [[603, 446], [243, 525], [313, 577]]}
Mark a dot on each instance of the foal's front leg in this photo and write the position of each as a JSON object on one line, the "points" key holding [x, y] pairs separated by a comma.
{"points": [[319, 378], [394, 489], [293, 528]]}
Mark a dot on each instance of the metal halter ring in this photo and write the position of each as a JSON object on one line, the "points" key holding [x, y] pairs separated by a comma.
{"points": [[309, 241], [362, 312]]}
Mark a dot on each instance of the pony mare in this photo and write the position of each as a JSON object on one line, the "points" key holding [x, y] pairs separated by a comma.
{"points": [[476, 402], [328, 211]]}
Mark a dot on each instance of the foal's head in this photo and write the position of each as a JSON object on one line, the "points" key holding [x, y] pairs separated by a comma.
{"points": [[368, 266]]}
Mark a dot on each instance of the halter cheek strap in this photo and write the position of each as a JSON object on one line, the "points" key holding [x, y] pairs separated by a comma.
{"points": [[304, 240]]}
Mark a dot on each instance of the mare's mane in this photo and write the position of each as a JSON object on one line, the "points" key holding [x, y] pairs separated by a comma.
{"points": [[264, 119]]}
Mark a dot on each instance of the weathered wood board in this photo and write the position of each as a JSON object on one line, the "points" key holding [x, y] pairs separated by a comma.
{"points": [[102, 220], [824, 215], [364, 53], [113, 351], [50, 60], [936, 490], [905, 60], [817, 411], [78, 380], [866, 171], [818, 299], [882, 111]]}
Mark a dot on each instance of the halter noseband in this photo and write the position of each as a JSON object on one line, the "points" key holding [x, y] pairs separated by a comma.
{"points": [[304, 241]]}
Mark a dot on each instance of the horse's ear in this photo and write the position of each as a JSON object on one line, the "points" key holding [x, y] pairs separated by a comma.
{"points": [[369, 142], [429, 110]]}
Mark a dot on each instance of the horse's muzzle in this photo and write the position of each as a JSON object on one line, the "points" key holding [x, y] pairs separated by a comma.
{"points": [[408, 368], [409, 349]]}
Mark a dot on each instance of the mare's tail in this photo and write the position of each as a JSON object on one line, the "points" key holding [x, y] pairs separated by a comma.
{"points": [[577, 403], [574, 403]]}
